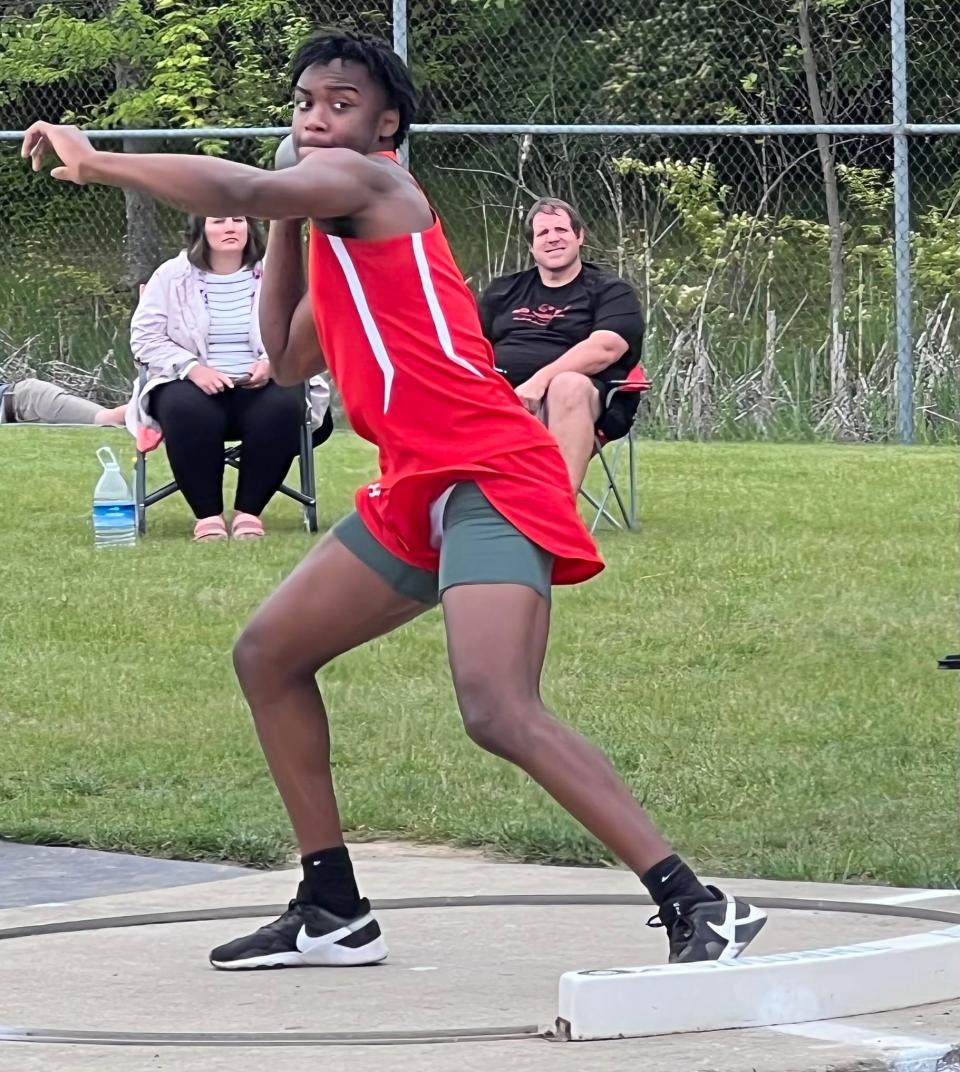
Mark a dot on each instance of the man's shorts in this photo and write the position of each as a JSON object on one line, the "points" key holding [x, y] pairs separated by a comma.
{"points": [[615, 419], [478, 546]]}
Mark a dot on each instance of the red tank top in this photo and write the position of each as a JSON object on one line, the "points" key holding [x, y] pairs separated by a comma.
{"points": [[401, 335]]}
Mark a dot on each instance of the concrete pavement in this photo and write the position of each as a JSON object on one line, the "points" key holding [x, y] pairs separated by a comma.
{"points": [[450, 969]]}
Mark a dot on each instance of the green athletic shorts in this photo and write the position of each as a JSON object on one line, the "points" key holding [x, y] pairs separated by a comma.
{"points": [[479, 546]]}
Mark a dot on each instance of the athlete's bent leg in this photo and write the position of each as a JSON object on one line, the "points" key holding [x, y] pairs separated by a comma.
{"points": [[496, 637], [331, 602]]}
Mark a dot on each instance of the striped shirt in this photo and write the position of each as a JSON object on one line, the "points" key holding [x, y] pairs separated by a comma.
{"points": [[230, 305]]}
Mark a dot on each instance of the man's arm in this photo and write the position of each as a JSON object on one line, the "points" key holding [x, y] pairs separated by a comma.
{"points": [[326, 183], [598, 351]]}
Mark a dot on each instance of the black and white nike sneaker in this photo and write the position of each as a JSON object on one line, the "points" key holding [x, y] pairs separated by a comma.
{"points": [[709, 930], [306, 936]]}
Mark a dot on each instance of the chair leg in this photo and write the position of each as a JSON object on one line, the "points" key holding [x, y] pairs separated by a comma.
{"points": [[611, 474], [601, 505], [140, 492], [602, 511], [632, 458], [308, 481]]}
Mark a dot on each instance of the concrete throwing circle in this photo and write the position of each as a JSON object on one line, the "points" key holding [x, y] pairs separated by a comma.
{"points": [[109, 1036]]}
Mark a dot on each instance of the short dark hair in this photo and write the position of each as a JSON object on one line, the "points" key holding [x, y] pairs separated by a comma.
{"points": [[385, 67], [552, 205], [198, 248]]}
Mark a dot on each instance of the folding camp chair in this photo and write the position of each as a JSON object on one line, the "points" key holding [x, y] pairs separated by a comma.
{"points": [[610, 453]]}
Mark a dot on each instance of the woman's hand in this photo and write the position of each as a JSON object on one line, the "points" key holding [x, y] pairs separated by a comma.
{"points": [[259, 375], [209, 380]]}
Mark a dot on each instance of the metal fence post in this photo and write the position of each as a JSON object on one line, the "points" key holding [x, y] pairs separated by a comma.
{"points": [[901, 220], [400, 47]]}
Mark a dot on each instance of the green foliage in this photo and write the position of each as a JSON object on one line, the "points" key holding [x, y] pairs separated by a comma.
{"points": [[183, 63], [723, 236]]}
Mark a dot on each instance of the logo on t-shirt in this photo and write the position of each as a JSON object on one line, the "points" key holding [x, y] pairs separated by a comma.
{"points": [[542, 315]]}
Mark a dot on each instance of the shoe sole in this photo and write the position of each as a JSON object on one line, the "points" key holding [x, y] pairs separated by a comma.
{"points": [[330, 956]]}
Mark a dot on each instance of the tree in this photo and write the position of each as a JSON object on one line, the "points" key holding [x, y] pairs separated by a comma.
{"points": [[150, 63], [839, 409]]}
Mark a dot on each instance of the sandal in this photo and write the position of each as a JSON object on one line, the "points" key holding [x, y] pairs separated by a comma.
{"points": [[209, 530], [246, 527]]}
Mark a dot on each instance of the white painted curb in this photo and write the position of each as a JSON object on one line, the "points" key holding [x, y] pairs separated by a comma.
{"points": [[781, 988]]}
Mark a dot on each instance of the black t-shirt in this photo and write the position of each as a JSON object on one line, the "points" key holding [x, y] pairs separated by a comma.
{"points": [[530, 325]]}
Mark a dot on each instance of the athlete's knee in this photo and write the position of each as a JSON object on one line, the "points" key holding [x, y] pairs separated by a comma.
{"points": [[500, 720], [251, 656], [269, 656], [264, 660], [570, 392]]}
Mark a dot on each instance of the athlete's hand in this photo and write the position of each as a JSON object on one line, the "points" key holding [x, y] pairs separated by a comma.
{"points": [[531, 393], [209, 380], [70, 145], [259, 375]]}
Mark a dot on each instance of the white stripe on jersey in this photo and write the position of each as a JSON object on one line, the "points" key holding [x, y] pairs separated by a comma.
{"points": [[374, 337], [439, 321]]}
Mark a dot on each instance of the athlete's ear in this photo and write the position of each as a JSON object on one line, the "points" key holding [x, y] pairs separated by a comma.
{"points": [[389, 123]]}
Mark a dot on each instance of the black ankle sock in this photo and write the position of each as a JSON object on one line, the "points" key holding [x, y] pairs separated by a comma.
{"points": [[328, 881], [671, 880]]}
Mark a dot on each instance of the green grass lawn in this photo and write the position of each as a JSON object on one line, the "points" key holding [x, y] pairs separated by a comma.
{"points": [[759, 660]]}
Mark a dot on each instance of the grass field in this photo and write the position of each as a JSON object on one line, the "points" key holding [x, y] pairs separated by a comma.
{"points": [[759, 660]]}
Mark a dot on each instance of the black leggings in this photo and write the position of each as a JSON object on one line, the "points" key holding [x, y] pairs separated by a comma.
{"points": [[196, 426]]}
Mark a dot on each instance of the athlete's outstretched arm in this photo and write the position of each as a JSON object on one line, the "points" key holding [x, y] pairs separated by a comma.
{"points": [[327, 183]]}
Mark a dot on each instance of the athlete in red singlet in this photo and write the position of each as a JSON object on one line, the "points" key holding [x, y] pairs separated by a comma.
{"points": [[472, 508], [402, 339]]}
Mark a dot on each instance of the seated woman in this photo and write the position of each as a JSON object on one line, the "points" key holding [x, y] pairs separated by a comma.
{"points": [[196, 332]]}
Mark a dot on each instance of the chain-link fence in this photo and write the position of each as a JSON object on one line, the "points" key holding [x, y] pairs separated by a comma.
{"points": [[766, 262]]}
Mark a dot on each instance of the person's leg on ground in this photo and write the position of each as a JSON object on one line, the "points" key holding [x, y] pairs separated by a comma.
{"points": [[267, 421], [194, 427], [40, 402], [332, 602], [572, 409], [113, 415], [495, 624]]}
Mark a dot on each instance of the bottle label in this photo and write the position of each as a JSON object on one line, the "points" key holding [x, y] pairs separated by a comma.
{"points": [[115, 516]]}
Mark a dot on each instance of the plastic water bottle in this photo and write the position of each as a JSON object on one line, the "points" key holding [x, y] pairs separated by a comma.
{"points": [[114, 511]]}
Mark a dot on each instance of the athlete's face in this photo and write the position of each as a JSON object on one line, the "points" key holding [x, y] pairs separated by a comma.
{"points": [[338, 105], [554, 245]]}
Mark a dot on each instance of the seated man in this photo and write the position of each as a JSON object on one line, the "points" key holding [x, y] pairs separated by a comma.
{"points": [[562, 332], [30, 401]]}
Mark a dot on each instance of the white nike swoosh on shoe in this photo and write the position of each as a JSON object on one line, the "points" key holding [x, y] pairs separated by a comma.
{"points": [[727, 930], [307, 942], [754, 916]]}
